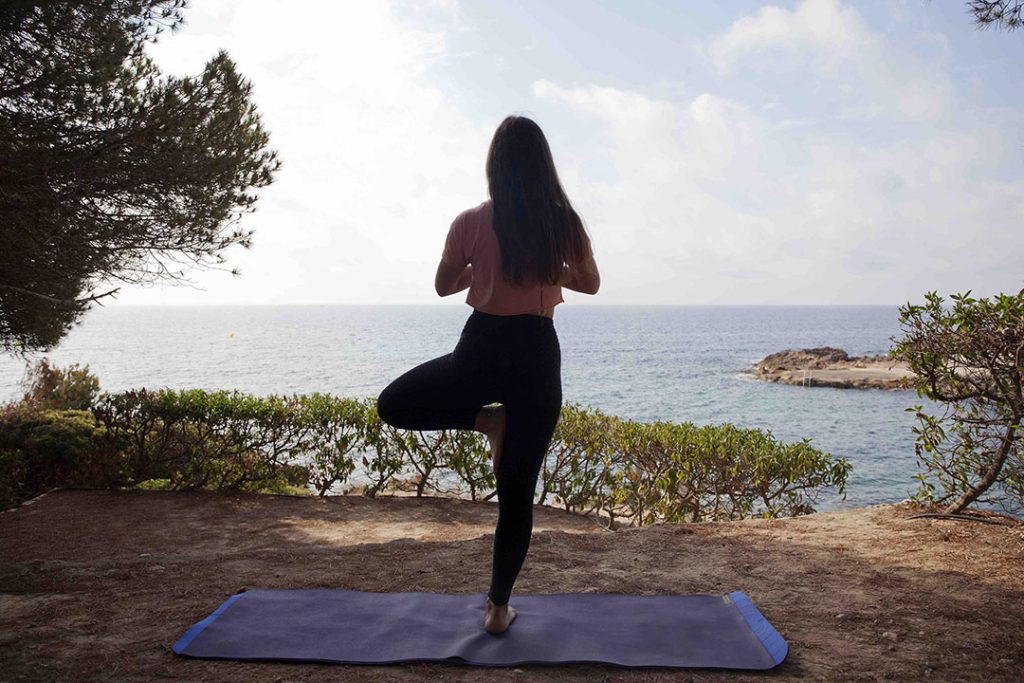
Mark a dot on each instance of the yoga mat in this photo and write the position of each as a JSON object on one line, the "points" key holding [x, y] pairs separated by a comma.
{"points": [[357, 627]]}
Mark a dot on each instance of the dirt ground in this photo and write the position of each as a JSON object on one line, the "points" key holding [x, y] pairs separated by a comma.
{"points": [[98, 586]]}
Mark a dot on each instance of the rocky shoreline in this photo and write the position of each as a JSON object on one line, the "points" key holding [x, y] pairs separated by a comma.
{"points": [[831, 367]]}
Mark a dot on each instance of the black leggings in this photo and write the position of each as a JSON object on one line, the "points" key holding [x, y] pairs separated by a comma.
{"points": [[513, 360]]}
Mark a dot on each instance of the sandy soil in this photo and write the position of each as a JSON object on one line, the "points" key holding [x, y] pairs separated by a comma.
{"points": [[98, 586]]}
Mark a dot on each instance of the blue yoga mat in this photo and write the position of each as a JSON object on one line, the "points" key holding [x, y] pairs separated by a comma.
{"points": [[357, 627]]}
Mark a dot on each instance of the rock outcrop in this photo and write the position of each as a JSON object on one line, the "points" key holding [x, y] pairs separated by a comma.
{"points": [[830, 367]]}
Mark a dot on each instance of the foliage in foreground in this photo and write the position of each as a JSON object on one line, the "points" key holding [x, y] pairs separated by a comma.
{"points": [[626, 472], [970, 358]]}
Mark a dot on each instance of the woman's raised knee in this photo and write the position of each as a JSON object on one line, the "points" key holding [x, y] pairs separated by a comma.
{"points": [[387, 405]]}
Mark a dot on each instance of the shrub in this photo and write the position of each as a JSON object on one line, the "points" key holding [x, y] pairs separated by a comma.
{"points": [[644, 473], [468, 455], [679, 472], [12, 478], [970, 359], [224, 441], [638, 473], [72, 388], [333, 431], [390, 447], [43, 449], [584, 450]]}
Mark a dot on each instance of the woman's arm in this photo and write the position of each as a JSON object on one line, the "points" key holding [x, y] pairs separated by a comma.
{"points": [[585, 278], [451, 279]]}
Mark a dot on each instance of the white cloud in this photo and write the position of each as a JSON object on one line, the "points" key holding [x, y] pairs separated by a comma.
{"points": [[377, 161], [831, 31], [829, 45], [714, 202]]}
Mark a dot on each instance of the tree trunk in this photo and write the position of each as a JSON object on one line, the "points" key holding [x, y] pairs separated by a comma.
{"points": [[991, 475]]}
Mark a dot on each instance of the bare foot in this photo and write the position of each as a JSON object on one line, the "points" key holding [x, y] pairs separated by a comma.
{"points": [[491, 422], [498, 619]]}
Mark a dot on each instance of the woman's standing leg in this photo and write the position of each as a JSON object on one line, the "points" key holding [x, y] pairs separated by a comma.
{"points": [[528, 432], [532, 409]]}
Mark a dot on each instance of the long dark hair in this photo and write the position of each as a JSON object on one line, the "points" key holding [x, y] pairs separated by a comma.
{"points": [[537, 228]]}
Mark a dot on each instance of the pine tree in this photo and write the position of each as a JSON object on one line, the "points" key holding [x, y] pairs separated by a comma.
{"points": [[1002, 13], [111, 171]]}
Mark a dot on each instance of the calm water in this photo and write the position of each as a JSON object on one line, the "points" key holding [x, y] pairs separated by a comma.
{"points": [[681, 363]]}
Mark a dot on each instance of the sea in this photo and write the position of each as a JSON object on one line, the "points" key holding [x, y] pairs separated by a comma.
{"points": [[678, 363]]}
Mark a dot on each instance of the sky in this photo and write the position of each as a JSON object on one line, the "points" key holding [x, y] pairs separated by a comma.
{"points": [[811, 152]]}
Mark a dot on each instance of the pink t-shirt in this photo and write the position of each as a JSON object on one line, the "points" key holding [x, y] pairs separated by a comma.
{"points": [[472, 240]]}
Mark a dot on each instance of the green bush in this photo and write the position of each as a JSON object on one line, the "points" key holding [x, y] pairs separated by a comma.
{"points": [[468, 455], [12, 478], [332, 430], [624, 471], [969, 358], [585, 449], [642, 473], [154, 485], [222, 441], [71, 388], [389, 447], [44, 449], [685, 473]]}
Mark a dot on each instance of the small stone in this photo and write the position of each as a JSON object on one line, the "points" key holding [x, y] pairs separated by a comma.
{"points": [[890, 635], [840, 616], [145, 555]]}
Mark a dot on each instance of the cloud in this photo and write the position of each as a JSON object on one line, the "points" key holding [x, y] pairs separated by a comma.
{"points": [[824, 27], [716, 201], [827, 45], [377, 160]]}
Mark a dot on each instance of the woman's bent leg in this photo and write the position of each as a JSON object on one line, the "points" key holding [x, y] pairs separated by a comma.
{"points": [[528, 434], [433, 395]]}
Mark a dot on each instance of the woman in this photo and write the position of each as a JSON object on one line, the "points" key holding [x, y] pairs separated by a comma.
{"points": [[514, 252]]}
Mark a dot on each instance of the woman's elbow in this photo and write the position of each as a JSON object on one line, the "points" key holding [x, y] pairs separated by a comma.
{"points": [[442, 286]]}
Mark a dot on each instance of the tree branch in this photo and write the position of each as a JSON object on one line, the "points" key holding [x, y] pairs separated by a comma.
{"points": [[56, 300]]}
